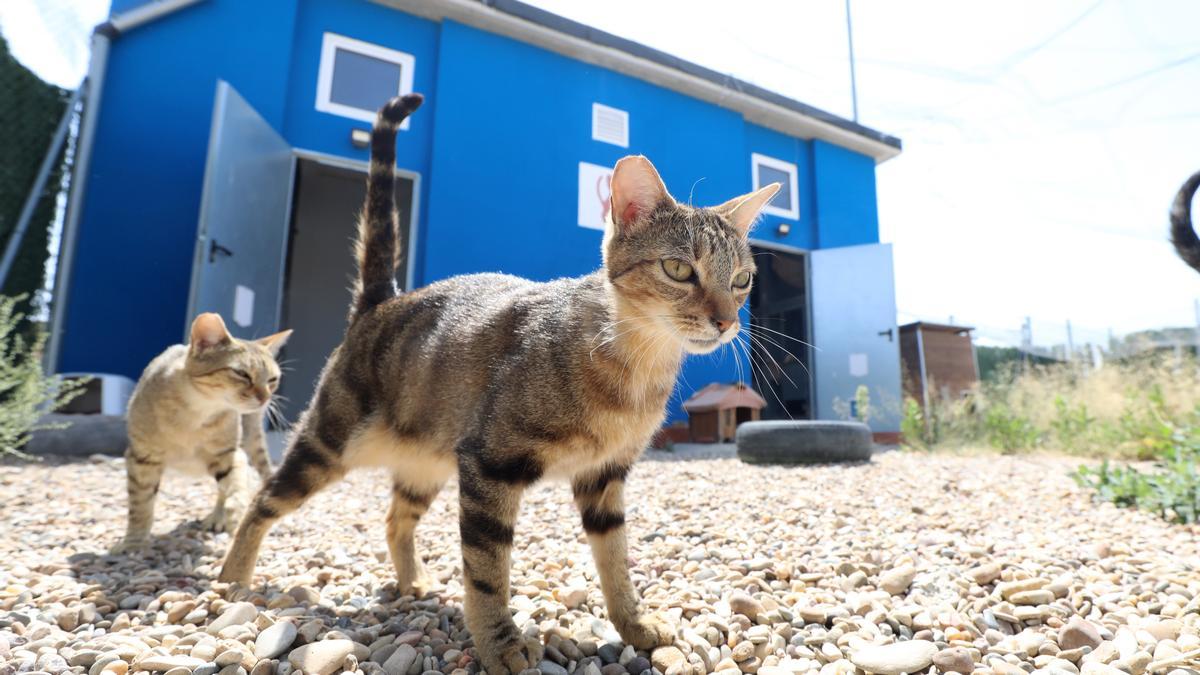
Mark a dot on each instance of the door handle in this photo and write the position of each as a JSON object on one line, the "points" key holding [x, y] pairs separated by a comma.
{"points": [[214, 248], [890, 335]]}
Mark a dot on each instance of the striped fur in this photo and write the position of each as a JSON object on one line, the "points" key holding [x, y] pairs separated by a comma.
{"points": [[1183, 235], [504, 382], [377, 246]]}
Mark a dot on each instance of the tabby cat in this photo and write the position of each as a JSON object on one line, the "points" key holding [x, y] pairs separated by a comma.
{"points": [[504, 381], [193, 407], [1187, 245]]}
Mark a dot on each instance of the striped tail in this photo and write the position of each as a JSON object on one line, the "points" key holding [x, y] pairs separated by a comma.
{"points": [[377, 247], [1187, 245]]}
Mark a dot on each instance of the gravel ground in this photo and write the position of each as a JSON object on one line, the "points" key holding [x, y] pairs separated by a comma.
{"points": [[908, 564]]}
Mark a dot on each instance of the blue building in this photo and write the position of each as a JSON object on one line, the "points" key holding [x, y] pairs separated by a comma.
{"points": [[222, 156]]}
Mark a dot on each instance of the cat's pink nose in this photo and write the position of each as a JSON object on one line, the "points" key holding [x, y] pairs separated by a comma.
{"points": [[261, 395], [722, 324]]}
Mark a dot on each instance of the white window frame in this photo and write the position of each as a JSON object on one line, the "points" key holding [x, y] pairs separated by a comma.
{"points": [[329, 46], [757, 160], [596, 108]]}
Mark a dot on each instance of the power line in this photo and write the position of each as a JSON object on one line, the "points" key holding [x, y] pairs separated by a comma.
{"points": [[1126, 80], [1022, 55]]}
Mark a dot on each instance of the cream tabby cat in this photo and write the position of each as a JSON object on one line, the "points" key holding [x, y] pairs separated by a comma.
{"points": [[193, 407]]}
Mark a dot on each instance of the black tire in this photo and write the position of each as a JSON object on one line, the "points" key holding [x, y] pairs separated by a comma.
{"points": [[804, 442]]}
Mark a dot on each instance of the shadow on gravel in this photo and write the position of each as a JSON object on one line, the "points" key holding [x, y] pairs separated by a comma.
{"points": [[128, 583]]}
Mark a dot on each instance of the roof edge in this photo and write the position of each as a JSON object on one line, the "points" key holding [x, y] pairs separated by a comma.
{"points": [[519, 21], [141, 15]]}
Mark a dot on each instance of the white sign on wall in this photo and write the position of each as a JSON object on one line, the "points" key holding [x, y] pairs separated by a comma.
{"points": [[243, 306], [594, 195]]}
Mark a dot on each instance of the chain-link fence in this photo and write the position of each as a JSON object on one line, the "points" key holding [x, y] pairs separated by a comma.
{"points": [[31, 114]]}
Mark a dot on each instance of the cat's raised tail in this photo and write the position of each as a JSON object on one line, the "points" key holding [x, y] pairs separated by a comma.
{"points": [[1187, 245], [377, 246]]}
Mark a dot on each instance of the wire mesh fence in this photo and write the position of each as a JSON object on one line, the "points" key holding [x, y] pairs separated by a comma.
{"points": [[31, 119]]}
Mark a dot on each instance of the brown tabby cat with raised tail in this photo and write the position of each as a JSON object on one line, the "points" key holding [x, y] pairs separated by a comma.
{"points": [[193, 407], [504, 381]]}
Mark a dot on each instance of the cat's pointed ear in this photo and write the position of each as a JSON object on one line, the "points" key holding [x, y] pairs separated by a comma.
{"points": [[208, 331], [636, 191], [743, 211], [275, 342]]}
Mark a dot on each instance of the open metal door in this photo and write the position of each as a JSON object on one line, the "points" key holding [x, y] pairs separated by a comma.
{"points": [[855, 334], [242, 234]]}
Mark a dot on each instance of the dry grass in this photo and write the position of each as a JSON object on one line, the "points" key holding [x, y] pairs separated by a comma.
{"points": [[1129, 410]]}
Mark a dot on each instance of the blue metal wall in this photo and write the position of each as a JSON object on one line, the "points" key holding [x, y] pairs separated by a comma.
{"points": [[498, 147], [129, 286]]}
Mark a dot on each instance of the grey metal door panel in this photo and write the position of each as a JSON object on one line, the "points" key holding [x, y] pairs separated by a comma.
{"points": [[242, 233], [854, 330]]}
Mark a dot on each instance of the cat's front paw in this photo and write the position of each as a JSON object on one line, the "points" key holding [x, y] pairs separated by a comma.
{"points": [[220, 520], [511, 657], [130, 545], [648, 632]]}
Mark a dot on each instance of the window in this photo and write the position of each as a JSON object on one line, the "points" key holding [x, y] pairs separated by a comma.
{"points": [[610, 125], [767, 170], [356, 77]]}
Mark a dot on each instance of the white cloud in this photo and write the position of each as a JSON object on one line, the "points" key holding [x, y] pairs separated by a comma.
{"points": [[50, 37]]}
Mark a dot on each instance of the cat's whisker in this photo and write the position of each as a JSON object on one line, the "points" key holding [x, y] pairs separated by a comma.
{"points": [[757, 340], [797, 359], [759, 326], [774, 394]]}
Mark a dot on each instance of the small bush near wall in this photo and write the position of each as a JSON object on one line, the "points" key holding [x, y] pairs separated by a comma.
{"points": [[26, 393]]}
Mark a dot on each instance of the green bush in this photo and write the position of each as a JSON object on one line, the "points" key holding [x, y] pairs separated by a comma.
{"points": [[1172, 489], [26, 393], [1009, 431]]}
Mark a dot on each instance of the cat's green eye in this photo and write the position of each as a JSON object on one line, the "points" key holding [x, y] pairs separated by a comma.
{"points": [[742, 280], [678, 270]]}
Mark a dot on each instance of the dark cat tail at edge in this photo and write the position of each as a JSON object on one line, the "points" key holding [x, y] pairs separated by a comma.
{"points": [[377, 247], [1187, 245]]}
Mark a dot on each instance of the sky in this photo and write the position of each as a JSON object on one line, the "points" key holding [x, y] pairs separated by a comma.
{"points": [[1043, 139]]}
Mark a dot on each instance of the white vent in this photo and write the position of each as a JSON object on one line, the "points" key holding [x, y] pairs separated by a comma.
{"points": [[610, 125]]}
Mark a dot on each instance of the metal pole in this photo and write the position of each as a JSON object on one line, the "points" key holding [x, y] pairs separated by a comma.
{"points": [[1070, 343], [93, 86], [853, 82], [39, 186]]}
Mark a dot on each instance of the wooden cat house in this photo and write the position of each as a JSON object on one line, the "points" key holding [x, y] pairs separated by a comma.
{"points": [[715, 411]]}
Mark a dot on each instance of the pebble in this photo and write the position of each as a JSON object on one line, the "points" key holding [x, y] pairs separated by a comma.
{"points": [[236, 614], [401, 660], [274, 640], [321, 658], [740, 603], [954, 660], [897, 581], [1079, 633], [161, 662], [663, 658], [899, 657]]}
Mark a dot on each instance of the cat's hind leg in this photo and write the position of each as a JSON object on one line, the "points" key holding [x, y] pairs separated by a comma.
{"points": [[410, 500], [143, 472], [309, 466], [228, 467], [600, 496]]}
